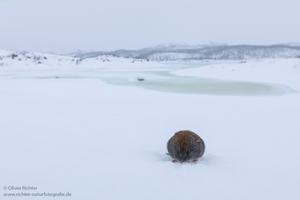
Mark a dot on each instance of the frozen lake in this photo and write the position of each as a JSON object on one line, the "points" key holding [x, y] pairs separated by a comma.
{"points": [[153, 78], [102, 131]]}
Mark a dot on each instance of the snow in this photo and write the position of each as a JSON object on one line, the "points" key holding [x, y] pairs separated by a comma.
{"points": [[285, 71], [4, 52], [99, 140]]}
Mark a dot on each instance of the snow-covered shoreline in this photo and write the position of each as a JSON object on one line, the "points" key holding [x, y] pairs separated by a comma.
{"points": [[267, 70], [260, 77]]}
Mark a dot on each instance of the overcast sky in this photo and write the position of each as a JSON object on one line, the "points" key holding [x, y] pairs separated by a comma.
{"points": [[67, 25]]}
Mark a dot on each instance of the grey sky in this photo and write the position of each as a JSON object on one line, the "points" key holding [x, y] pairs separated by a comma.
{"points": [[67, 25]]}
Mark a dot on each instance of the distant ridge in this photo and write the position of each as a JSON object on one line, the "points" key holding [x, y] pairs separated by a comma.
{"points": [[161, 53], [202, 52]]}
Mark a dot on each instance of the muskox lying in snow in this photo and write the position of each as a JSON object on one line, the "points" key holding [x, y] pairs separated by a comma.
{"points": [[185, 146]]}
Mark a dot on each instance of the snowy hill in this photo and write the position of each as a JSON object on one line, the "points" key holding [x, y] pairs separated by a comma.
{"points": [[26, 58], [201, 52], [157, 54]]}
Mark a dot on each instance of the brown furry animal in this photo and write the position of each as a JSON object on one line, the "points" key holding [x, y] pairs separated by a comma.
{"points": [[186, 146]]}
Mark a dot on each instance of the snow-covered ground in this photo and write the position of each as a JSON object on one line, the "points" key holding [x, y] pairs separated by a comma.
{"points": [[68, 129], [284, 71]]}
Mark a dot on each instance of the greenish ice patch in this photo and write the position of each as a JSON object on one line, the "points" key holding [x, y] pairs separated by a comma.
{"points": [[159, 79], [167, 82]]}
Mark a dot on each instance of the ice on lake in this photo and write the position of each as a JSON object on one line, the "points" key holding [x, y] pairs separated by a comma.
{"points": [[158, 79]]}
